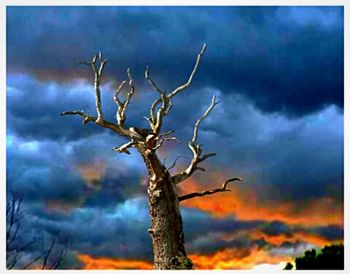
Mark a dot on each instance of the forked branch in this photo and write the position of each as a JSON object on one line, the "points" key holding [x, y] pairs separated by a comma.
{"points": [[98, 70], [98, 74], [209, 192], [156, 117], [122, 106], [196, 149]]}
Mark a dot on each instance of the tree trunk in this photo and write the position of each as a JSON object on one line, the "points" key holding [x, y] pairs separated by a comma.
{"points": [[166, 223]]}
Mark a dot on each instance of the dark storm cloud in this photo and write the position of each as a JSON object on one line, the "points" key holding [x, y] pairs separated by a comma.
{"points": [[328, 232], [331, 232], [115, 232], [285, 59], [265, 149], [198, 224], [282, 159], [258, 61], [33, 108], [69, 175]]}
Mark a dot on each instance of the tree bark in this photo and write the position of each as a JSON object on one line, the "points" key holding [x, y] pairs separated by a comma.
{"points": [[166, 229]]}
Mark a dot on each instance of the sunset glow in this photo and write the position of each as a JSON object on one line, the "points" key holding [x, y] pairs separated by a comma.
{"points": [[99, 151]]}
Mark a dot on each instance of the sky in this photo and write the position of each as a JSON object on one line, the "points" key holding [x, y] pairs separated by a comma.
{"points": [[278, 73]]}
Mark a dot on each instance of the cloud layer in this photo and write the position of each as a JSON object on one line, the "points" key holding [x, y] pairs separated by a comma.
{"points": [[278, 72]]}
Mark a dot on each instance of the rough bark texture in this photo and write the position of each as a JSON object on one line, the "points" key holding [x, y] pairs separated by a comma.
{"points": [[166, 223]]}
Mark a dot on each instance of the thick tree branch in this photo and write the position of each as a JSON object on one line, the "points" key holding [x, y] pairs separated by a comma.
{"points": [[87, 118], [196, 149], [209, 192]]}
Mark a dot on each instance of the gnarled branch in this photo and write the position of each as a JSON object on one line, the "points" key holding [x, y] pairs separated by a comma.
{"points": [[87, 118], [98, 73], [119, 128], [209, 192], [122, 106], [155, 119], [196, 149]]}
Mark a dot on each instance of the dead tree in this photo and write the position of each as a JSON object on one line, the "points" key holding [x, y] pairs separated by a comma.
{"points": [[166, 222], [49, 257]]}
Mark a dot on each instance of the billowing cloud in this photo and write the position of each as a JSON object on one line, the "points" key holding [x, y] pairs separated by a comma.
{"points": [[244, 204], [265, 53], [279, 126]]}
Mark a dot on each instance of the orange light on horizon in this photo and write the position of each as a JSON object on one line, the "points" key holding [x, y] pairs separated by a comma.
{"points": [[234, 258], [111, 263], [244, 205]]}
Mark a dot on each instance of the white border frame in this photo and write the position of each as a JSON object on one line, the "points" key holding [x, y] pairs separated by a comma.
{"points": [[173, 3]]}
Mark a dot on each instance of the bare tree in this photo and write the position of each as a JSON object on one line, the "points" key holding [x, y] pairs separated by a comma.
{"points": [[17, 248], [166, 223]]}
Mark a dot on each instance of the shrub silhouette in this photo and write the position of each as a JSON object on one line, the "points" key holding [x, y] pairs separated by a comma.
{"points": [[330, 257]]}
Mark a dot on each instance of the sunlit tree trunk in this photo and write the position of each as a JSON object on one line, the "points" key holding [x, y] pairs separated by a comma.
{"points": [[166, 228], [166, 223]]}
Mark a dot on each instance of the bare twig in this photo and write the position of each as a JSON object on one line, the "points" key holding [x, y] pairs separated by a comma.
{"points": [[196, 149], [166, 133], [151, 82], [156, 119], [175, 161], [160, 144], [98, 74], [124, 148], [48, 253], [122, 106], [60, 258], [130, 93], [209, 192], [195, 131], [117, 92], [184, 86], [33, 261]]}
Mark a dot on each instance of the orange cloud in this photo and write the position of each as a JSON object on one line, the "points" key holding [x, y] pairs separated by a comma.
{"points": [[236, 258], [92, 173], [243, 203], [63, 206], [233, 258], [109, 263], [278, 239]]}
